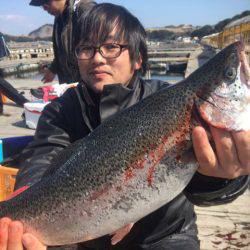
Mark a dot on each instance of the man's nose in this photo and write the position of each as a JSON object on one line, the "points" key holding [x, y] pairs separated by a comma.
{"points": [[98, 57]]}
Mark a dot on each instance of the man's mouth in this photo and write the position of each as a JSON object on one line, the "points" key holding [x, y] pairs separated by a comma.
{"points": [[99, 73]]}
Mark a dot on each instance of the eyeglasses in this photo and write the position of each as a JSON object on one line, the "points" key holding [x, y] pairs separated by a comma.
{"points": [[108, 51]]}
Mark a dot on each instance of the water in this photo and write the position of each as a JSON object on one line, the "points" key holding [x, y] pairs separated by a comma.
{"points": [[168, 78], [38, 76]]}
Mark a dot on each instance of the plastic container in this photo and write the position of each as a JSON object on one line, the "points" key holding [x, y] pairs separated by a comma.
{"points": [[4, 98], [7, 181], [33, 112]]}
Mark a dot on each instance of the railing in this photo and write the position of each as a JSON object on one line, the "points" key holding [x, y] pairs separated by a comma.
{"points": [[240, 32]]}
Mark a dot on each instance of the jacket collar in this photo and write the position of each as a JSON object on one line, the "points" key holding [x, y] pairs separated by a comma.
{"points": [[115, 97]]}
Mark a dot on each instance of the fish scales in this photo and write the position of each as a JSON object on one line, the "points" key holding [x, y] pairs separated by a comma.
{"points": [[105, 169], [134, 162]]}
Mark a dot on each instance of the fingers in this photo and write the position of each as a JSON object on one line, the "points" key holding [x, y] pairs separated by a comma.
{"points": [[10, 234], [231, 156], [15, 236], [242, 141], [204, 152], [227, 153], [121, 233], [12, 237], [32, 243], [4, 231]]}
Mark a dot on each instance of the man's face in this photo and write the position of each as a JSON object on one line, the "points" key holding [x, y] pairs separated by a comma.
{"points": [[54, 7], [99, 71]]}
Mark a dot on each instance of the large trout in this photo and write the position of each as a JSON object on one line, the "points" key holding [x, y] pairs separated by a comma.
{"points": [[136, 161]]}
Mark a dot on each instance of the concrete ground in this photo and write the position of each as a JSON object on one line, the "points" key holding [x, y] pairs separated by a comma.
{"points": [[225, 226], [220, 227]]}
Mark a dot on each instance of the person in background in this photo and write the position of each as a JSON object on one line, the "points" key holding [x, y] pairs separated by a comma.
{"points": [[66, 14], [112, 59], [6, 88]]}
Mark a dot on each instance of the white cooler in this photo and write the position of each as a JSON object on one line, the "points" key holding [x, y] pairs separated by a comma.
{"points": [[32, 111]]}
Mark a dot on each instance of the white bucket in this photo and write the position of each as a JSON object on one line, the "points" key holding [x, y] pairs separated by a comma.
{"points": [[33, 112]]}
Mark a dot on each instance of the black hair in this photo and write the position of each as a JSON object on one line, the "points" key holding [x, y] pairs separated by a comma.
{"points": [[95, 26]]}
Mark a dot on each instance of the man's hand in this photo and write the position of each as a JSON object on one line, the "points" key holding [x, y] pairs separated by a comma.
{"points": [[232, 156], [13, 237], [48, 76]]}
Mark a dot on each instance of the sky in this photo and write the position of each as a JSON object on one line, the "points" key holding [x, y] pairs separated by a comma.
{"points": [[18, 18]]}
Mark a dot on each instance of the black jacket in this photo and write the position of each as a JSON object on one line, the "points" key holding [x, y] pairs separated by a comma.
{"points": [[65, 63], [75, 115]]}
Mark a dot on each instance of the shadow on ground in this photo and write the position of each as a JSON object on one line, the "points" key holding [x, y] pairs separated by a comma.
{"points": [[11, 104], [20, 124]]}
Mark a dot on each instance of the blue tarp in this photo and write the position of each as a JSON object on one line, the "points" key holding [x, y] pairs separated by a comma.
{"points": [[14, 145]]}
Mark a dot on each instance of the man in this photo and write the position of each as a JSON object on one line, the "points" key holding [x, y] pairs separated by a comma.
{"points": [[111, 59], [66, 14], [5, 87]]}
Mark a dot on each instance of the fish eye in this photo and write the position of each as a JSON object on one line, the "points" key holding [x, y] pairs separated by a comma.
{"points": [[230, 73]]}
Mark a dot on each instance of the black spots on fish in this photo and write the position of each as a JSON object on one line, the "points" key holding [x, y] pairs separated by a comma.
{"points": [[189, 91]]}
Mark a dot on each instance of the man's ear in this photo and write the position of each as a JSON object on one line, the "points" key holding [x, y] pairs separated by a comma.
{"points": [[138, 63]]}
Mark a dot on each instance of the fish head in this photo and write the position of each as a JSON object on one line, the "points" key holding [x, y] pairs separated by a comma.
{"points": [[224, 101]]}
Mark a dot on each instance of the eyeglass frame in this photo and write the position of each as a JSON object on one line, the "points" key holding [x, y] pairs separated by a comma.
{"points": [[98, 48]]}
